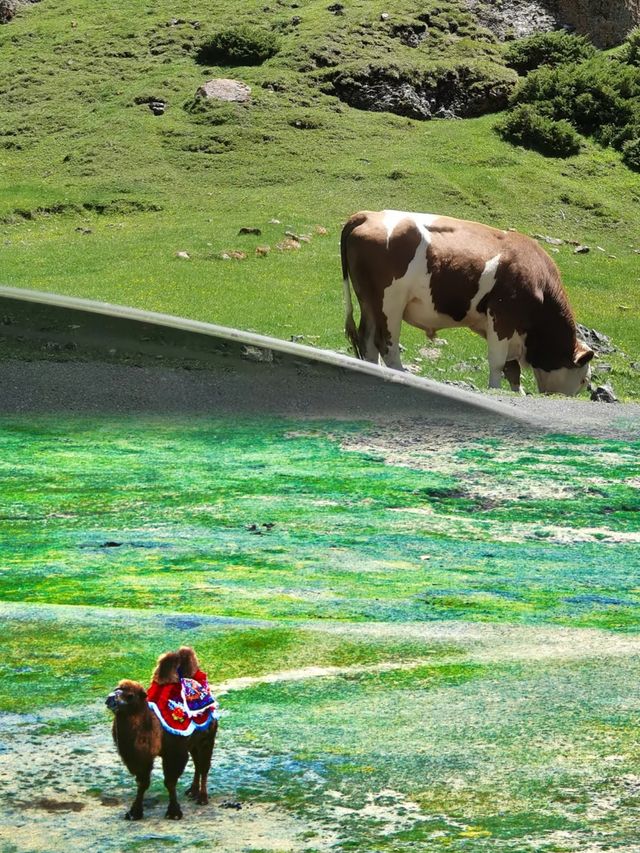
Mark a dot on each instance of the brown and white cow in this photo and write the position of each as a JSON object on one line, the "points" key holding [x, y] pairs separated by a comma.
{"points": [[436, 272]]}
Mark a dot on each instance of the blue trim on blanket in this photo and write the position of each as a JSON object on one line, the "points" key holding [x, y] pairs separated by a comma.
{"points": [[191, 728]]}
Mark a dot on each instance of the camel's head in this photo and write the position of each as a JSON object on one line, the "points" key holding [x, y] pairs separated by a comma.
{"points": [[128, 697], [188, 662], [166, 671]]}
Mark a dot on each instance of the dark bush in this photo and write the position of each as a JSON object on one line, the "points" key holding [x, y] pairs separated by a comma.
{"points": [[524, 125], [597, 97], [632, 48], [631, 153], [547, 49], [242, 45]]}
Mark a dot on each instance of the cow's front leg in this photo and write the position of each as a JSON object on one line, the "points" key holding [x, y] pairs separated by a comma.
{"points": [[498, 353], [513, 376]]}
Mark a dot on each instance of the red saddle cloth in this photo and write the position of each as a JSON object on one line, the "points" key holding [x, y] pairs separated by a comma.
{"points": [[183, 706]]}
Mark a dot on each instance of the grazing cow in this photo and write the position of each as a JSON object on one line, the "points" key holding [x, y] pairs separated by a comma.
{"points": [[436, 272]]}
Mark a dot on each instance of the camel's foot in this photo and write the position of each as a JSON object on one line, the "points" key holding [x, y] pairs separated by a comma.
{"points": [[174, 812], [134, 813]]}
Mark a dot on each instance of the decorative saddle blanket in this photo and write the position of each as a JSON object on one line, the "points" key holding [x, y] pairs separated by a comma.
{"points": [[184, 706]]}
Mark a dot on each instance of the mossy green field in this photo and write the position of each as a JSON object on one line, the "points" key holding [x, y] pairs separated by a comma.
{"points": [[98, 195], [420, 642], [428, 646]]}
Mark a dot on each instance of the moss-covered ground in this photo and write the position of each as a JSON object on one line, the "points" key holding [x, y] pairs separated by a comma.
{"points": [[424, 647]]}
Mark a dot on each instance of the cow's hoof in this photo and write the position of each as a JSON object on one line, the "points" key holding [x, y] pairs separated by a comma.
{"points": [[174, 813], [190, 792], [202, 799], [133, 814]]}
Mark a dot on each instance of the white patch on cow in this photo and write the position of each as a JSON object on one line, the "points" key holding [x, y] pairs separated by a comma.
{"points": [[486, 282], [391, 218], [416, 279]]}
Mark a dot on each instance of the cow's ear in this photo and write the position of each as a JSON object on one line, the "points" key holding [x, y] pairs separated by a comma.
{"points": [[582, 355]]}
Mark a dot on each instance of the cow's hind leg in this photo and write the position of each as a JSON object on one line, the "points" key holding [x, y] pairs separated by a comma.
{"points": [[367, 337], [389, 338]]}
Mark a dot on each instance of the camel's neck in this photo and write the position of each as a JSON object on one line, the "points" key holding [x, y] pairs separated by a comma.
{"points": [[136, 735]]}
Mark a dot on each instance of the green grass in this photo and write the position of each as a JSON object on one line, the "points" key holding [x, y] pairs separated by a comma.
{"points": [[465, 706], [157, 515], [79, 151]]}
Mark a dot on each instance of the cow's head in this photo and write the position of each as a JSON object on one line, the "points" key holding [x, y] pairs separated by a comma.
{"points": [[569, 379]]}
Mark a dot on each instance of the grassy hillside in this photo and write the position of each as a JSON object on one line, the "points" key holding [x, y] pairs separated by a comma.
{"points": [[98, 194]]}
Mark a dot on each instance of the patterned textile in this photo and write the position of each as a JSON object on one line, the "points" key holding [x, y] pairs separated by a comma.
{"points": [[184, 706]]}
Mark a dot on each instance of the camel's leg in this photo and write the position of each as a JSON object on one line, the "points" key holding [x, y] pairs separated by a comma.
{"points": [[201, 753], [144, 780], [174, 760], [194, 787]]}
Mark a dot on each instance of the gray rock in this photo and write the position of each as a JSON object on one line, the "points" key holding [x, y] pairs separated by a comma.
{"points": [[599, 343], [515, 19], [8, 9], [410, 34], [457, 92], [581, 250], [223, 89], [603, 394], [553, 241]]}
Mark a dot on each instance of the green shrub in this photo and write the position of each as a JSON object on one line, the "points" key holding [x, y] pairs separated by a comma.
{"points": [[599, 97], [632, 47], [593, 95], [524, 125], [549, 49], [631, 153], [242, 45]]}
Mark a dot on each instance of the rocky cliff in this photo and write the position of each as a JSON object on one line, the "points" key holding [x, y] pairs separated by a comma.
{"points": [[606, 21]]}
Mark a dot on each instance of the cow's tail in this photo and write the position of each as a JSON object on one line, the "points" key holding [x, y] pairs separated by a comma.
{"points": [[349, 323]]}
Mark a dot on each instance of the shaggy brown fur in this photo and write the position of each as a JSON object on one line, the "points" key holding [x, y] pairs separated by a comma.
{"points": [[166, 670], [187, 661], [140, 738]]}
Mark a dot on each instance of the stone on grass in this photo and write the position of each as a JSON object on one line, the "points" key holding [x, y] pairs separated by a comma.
{"points": [[603, 394], [222, 89], [8, 9], [598, 342]]}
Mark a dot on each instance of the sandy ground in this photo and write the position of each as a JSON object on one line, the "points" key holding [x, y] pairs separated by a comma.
{"points": [[69, 791]]}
